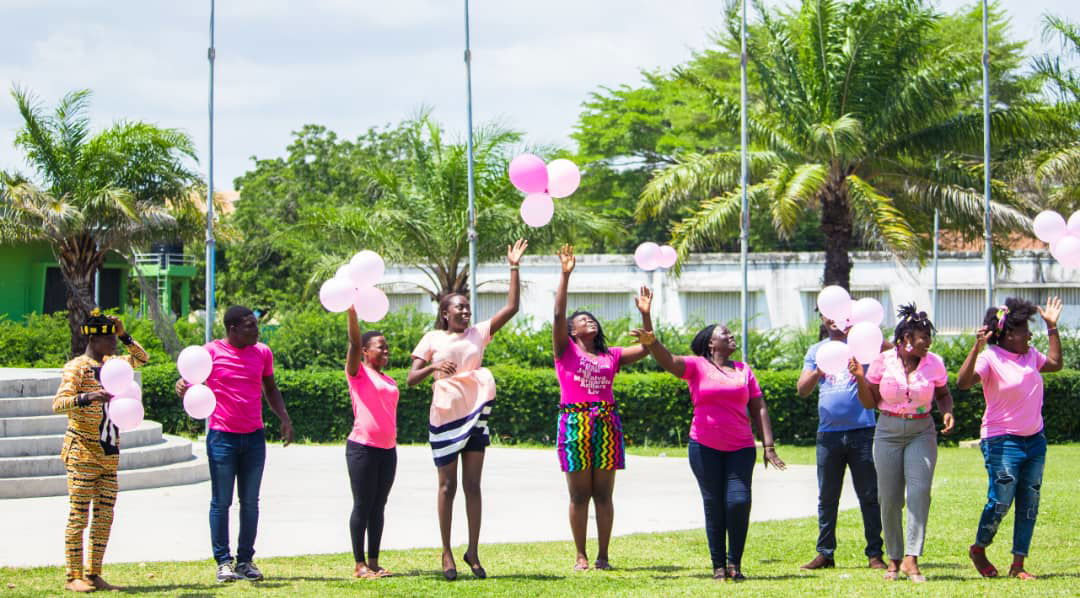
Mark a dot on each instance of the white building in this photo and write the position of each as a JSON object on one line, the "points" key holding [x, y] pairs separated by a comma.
{"points": [[783, 287]]}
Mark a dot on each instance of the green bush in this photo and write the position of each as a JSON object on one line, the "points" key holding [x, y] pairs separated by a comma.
{"points": [[655, 407]]}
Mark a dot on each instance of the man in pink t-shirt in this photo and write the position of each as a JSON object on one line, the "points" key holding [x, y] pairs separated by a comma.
{"points": [[235, 441]]}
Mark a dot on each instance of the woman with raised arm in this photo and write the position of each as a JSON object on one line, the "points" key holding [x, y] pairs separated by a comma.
{"points": [[370, 451], [590, 438], [903, 383], [721, 446], [462, 395], [1013, 444]]}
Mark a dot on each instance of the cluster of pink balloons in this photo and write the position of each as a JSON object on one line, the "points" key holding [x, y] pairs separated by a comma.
{"points": [[862, 320], [1063, 237], [125, 408], [649, 256], [540, 182], [194, 364], [354, 285]]}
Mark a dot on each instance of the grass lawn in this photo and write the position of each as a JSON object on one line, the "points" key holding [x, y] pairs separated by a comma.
{"points": [[675, 563]]}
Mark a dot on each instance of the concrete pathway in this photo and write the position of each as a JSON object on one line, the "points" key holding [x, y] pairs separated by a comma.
{"points": [[306, 502]]}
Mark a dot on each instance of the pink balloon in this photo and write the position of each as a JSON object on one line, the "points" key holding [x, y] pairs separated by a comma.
{"points": [[864, 339], [867, 309], [199, 401], [563, 178], [529, 174], [668, 256], [1066, 250], [132, 392], [537, 209], [335, 295], [647, 256], [1049, 226], [127, 414], [194, 364], [366, 268], [116, 376], [834, 303], [833, 357], [371, 304], [1073, 226]]}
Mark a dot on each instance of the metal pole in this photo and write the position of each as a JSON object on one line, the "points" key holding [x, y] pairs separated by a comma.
{"points": [[988, 240], [934, 294], [209, 335], [744, 222], [472, 189]]}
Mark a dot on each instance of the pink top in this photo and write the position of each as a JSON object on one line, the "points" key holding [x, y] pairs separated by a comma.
{"points": [[585, 379], [904, 394], [374, 404], [1013, 389], [720, 403], [236, 380], [457, 396]]}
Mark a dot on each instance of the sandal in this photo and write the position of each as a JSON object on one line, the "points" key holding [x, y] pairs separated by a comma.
{"points": [[1019, 573], [977, 553], [892, 575], [734, 573], [914, 577], [477, 570], [602, 565]]}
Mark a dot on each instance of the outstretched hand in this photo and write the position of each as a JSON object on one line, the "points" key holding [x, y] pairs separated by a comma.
{"points": [[644, 300], [515, 251], [645, 337], [1051, 312], [566, 256]]}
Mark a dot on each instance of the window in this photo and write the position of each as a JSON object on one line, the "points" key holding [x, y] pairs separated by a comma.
{"points": [[710, 307], [399, 301], [962, 310], [487, 304], [605, 306]]}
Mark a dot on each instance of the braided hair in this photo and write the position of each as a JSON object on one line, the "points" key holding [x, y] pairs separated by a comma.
{"points": [[600, 342], [700, 344], [910, 321], [1003, 319]]}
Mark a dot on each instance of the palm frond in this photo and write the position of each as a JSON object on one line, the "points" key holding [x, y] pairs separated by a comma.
{"points": [[880, 215], [793, 190]]}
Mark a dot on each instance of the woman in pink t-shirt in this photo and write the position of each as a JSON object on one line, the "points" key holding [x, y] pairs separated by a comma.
{"points": [[721, 447], [1013, 444], [903, 383], [463, 393], [370, 451], [590, 439]]}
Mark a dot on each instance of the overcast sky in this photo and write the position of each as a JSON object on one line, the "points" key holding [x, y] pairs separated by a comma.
{"points": [[352, 64]]}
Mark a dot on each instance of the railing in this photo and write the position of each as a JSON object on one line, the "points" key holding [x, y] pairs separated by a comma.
{"points": [[164, 259]]}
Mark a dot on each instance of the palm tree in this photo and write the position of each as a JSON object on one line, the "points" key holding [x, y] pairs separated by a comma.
{"points": [[95, 193], [858, 119], [1058, 171], [413, 207]]}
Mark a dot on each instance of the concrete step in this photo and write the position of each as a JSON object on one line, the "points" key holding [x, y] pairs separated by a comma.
{"points": [[172, 449], [29, 382], [191, 471], [149, 432], [26, 406], [37, 425]]}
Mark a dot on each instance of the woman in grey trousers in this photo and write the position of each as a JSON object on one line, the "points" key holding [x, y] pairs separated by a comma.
{"points": [[903, 383]]}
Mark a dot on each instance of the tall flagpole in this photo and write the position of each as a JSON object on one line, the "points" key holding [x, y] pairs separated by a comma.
{"points": [[472, 189], [988, 240], [209, 334], [744, 222]]}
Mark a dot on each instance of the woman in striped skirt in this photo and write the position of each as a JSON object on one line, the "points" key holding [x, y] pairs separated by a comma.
{"points": [[590, 438], [462, 395]]}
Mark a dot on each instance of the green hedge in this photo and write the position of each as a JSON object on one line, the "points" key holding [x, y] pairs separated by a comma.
{"points": [[655, 407]]}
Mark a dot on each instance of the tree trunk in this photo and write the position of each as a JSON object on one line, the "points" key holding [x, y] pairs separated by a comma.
{"points": [[837, 228], [453, 281], [79, 259], [164, 324]]}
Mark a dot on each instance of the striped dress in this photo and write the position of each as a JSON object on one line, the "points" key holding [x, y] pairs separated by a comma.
{"points": [[460, 403]]}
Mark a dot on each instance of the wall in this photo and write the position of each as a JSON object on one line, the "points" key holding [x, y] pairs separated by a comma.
{"points": [[23, 271]]}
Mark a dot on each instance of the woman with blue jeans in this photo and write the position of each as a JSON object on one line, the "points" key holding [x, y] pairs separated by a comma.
{"points": [[1013, 444]]}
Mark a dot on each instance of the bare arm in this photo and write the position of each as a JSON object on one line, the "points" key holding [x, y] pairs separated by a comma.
{"points": [[808, 381], [1050, 315], [674, 365], [513, 298], [760, 412], [277, 405], [560, 336], [945, 404], [355, 354], [966, 377], [421, 369]]}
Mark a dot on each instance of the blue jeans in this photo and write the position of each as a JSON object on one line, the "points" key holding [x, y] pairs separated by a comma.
{"points": [[1014, 465], [235, 458], [837, 451], [724, 478]]}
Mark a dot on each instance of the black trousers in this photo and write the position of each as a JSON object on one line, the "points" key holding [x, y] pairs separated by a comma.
{"points": [[371, 474]]}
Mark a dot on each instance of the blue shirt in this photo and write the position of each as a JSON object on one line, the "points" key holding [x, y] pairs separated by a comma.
{"points": [[839, 408]]}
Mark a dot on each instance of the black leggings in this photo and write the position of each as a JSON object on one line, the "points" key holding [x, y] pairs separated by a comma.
{"points": [[371, 474], [724, 479]]}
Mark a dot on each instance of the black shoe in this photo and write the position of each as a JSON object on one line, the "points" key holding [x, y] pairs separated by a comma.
{"points": [[248, 571], [226, 573], [477, 570]]}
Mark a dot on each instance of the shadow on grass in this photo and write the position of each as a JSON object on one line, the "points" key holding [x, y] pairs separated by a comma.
{"points": [[657, 568], [189, 589]]}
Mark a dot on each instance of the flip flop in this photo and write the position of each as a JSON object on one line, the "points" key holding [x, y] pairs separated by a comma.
{"points": [[1019, 573], [892, 575]]}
